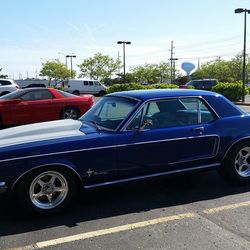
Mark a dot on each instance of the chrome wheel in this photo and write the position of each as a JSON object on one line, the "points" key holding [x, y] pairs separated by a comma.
{"points": [[70, 113], [48, 190], [242, 162]]}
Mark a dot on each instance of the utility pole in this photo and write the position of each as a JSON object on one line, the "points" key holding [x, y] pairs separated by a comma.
{"points": [[172, 64], [71, 66], [119, 61]]}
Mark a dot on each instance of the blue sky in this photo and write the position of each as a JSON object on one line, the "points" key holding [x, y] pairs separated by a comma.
{"points": [[33, 31]]}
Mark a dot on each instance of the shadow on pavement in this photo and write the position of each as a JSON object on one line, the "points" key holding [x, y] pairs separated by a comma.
{"points": [[120, 200]]}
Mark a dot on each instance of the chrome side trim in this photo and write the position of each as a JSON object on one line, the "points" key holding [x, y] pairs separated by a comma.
{"points": [[151, 176], [44, 165], [106, 147]]}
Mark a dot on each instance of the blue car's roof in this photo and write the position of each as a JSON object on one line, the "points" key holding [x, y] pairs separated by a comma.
{"points": [[161, 93], [219, 103]]}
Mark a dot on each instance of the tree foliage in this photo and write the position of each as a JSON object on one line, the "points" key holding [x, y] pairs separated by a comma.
{"points": [[224, 71], [99, 67], [55, 70], [3, 76], [151, 73]]}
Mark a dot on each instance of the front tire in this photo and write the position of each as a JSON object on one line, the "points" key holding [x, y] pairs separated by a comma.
{"points": [[47, 191], [236, 166]]}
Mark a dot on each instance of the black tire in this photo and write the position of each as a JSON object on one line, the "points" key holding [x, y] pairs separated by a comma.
{"points": [[70, 113], [76, 92], [36, 188], [102, 93], [236, 166]]}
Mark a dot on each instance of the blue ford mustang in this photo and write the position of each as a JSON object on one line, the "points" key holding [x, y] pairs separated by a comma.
{"points": [[126, 136]]}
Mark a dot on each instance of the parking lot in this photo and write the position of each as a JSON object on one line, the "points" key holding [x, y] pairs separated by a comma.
{"points": [[191, 211], [196, 211]]}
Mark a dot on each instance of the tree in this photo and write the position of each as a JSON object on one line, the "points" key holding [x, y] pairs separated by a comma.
{"points": [[151, 73], [99, 67], [55, 70], [3, 76], [224, 71]]}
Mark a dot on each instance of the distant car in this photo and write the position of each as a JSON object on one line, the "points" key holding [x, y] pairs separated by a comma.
{"points": [[204, 84], [127, 136], [35, 85], [7, 86], [41, 104]]}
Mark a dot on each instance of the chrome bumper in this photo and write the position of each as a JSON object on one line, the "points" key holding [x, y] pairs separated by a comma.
{"points": [[3, 187]]}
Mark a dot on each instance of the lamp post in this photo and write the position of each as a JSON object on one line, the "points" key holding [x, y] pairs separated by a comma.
{"points": [[238, 11], [71, 68], [124, 42]]}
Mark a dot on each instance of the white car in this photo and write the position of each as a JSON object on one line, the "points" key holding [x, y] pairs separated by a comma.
{"points": [[7, 86]]}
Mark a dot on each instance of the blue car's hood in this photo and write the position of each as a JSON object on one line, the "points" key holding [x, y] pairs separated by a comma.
{"points": [[40, 131]]}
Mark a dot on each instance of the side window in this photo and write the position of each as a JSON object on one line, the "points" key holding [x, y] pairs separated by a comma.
{"points": [[85, 83], [4, 83], [96, 83], [37, 95], [91, 83], [171, 113]]}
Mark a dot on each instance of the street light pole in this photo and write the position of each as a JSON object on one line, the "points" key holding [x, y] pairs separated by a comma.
{"points": [[238, 11], [71, 67], [123, 43]]}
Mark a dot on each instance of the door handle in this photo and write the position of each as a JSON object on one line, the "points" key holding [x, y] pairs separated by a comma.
{"points": [[201, 129]]}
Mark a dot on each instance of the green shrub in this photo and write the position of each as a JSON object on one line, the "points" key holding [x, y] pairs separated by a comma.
{"points": [[233, 91], [136, 86], [165, 86]]}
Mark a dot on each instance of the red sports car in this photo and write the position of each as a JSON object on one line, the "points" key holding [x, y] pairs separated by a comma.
{"points": [[41, 104]]}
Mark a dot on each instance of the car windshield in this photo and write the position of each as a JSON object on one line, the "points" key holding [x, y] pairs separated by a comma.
{"points": [[109, 112]]}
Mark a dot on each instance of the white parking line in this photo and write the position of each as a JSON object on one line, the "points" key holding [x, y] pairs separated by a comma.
{"points": [[107, 231], [227, 207], [112, 230]]}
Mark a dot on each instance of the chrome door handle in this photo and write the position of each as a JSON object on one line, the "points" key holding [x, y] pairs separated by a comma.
{"points": [[199, 128]]}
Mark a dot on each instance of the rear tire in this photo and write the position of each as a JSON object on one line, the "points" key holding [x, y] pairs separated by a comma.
{"points": [[236, 166], [76, 92], [70, 113], [102, 93], [47, 191]]}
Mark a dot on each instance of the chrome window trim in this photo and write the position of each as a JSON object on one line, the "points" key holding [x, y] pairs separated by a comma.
{"points": [[44, 165], [118, 127], [151, 175], [124, 128], [113, 146]]}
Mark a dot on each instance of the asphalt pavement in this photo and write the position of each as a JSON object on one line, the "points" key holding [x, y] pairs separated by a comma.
{"points": [[192, 211]]}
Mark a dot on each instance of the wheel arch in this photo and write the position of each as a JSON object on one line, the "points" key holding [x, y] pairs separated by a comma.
{"points": [[236, 142], [65, 167]]}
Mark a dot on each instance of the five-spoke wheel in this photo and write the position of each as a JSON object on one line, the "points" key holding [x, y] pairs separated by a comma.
{"points": [[70, 113], [48, 190]]}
